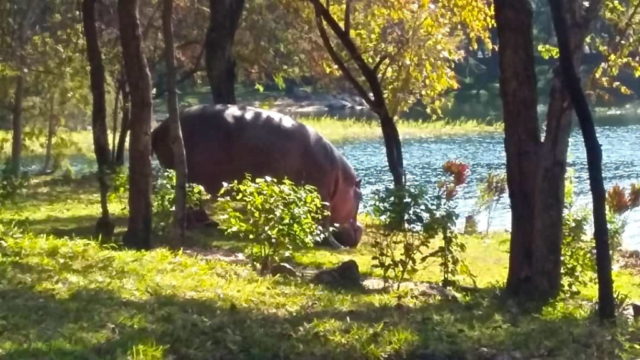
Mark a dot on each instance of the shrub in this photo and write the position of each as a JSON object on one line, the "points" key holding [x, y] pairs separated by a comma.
{"points": [[164, 191], [410, 220], [273, 216], [11, 184], [619, 205], [578, 261], [492, 189]]}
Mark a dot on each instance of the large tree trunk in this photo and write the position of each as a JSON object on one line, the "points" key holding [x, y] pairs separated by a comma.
{"points": [[224, 20], [594, 161], [553, 167], [522, 134], [124, 126], [104, 226], [50, 135], [138, 233], [177, 144], [16, 143]]}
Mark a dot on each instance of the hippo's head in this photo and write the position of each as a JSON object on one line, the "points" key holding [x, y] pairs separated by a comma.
{"points": [[349, 232]]}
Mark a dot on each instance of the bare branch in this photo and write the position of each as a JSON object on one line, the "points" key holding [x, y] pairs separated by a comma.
{"points": [[340, 63], [376, 67]]}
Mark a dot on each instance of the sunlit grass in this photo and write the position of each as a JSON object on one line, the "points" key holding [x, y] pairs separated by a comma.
{"points": [[336, 130], [67, 299]]}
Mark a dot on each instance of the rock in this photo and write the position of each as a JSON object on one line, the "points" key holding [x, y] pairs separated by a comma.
{"points": [[636, 310], [431, 290], [345, 275], [485, 354], [284, 270]]}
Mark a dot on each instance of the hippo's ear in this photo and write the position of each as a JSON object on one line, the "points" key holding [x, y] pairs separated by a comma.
{"points": [[358, 183]]}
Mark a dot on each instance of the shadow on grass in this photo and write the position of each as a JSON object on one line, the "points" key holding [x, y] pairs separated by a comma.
{"points": [[94, 323]]}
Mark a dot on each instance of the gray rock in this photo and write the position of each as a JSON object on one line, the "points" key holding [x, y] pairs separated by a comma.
{"points": [[284, 270], [345, 275]]}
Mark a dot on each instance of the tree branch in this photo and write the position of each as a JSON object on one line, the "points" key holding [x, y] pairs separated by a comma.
{"points": [[378, 102], [376, 67], [341, 65]]}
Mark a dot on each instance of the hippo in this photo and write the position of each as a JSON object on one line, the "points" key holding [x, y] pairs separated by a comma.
{"points": [[225, 142]]}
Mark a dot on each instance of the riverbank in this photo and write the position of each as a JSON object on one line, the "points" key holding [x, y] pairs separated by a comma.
{"points": [[66, 295]]}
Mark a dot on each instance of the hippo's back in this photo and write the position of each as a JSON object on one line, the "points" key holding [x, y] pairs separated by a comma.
{"points": [[224, 142]]}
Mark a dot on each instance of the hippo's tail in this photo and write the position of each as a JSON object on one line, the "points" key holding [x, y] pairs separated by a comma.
{"points": [[161, 144]]}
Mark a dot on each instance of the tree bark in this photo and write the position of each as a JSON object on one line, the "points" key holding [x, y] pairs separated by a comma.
{"points": [[376, 101], [116, 110], [50, 135], [104, 226], [606, 303], [177, 143], [522, 134], [16, 143], [553, 164], [224, 20], [138, 233], [124, 126]]}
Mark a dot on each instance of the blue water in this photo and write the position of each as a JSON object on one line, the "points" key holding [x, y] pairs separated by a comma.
{"points": [[424, 157]]}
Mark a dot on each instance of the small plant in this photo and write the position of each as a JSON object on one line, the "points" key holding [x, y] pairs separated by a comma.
{"points": [[619, 205], [119, 186], [164, 198], [578, 262], [410, 220], [491, 191], [273, 216], [11, 184]]}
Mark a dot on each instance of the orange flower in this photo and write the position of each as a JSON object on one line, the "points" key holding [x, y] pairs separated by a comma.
{"points": [[459, 170]]}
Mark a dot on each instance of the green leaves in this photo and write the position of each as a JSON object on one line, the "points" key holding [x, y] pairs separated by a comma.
{"points": [[274, 216]]}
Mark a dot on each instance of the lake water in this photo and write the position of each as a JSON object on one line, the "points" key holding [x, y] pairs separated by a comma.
{"points": [[424, 157]]}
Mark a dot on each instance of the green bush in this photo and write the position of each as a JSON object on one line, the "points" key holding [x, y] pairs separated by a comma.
{"points": [[578, 261], [410, 220], [273, 216], [164, 187], [491, 191]]}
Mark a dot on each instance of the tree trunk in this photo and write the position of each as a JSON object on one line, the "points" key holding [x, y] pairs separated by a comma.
{"points": [[594, 162], [177, 144], [16, 143], [104, 226], [224, 20], [116, 108], [553, 165], [124, 126], [522, 135], [393, 148], [50, 135], [138, 233]]}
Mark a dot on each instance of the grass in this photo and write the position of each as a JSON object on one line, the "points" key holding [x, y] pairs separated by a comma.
{"points": [[66, 296], [338, 131]]}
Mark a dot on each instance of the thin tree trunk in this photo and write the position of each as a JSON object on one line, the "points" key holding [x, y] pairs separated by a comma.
{"points": [[16, 143], [522, 135], [104, 226], [138, 233], [50, 135], [606, 301], [177, 144], [124, 126], [224, 20], [116, 108]]}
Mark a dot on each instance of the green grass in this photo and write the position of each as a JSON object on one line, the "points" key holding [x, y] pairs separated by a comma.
{"points": [[65, 296], [338, 131]]}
